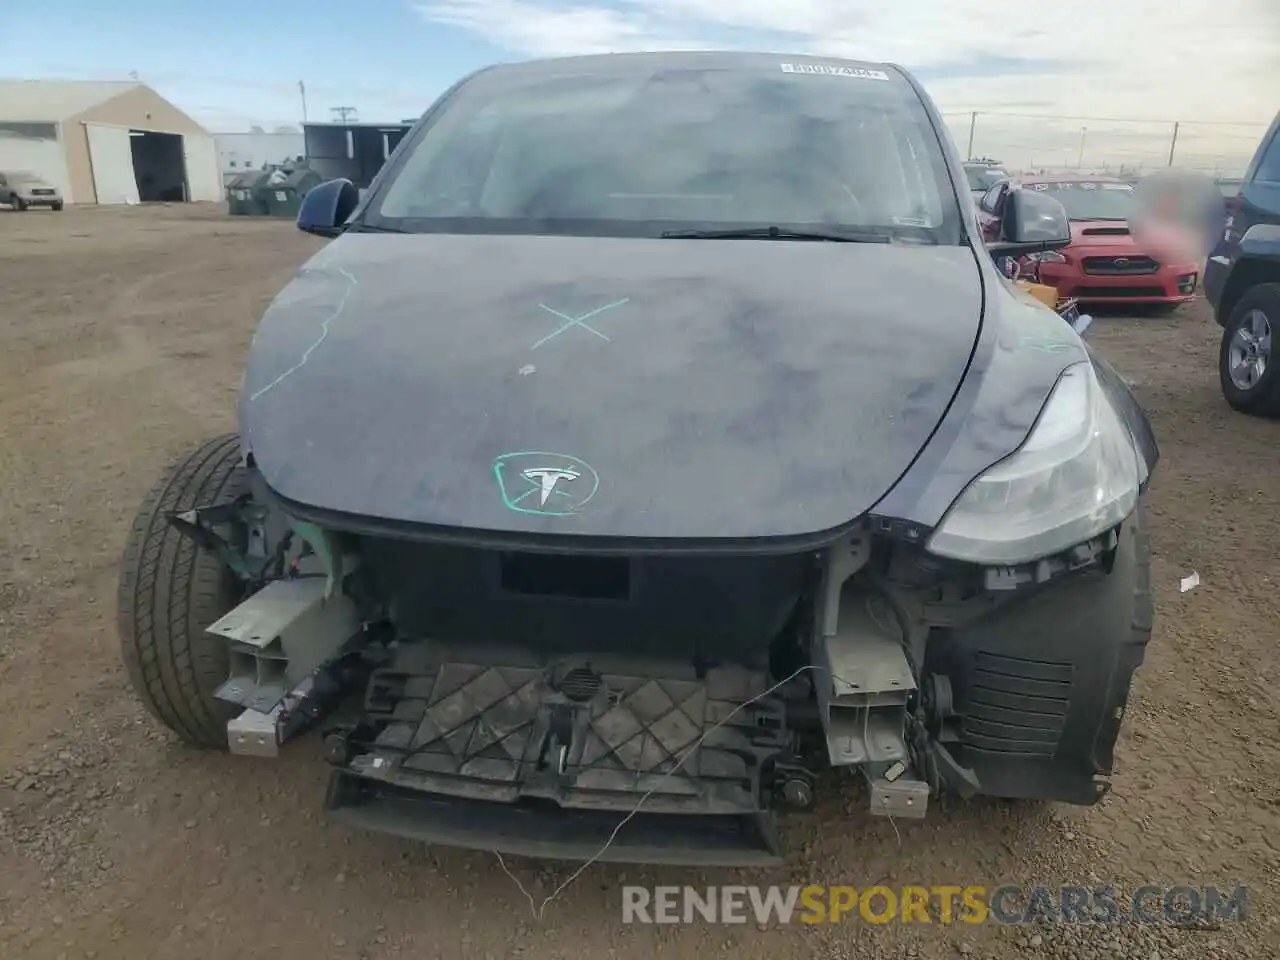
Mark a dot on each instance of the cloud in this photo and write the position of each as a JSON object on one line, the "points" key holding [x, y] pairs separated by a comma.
{"points": [[1194, 60], [556, 29]]}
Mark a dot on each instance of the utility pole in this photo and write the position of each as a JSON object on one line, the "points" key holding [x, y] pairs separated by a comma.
{"points": [[1173, 144], [343, 114], [302, 91], [1080, 157], [973, 125]]}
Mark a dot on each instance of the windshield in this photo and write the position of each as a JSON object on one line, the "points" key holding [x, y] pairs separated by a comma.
{"points": [[1089, 200], [984, 178], [636, 150]]}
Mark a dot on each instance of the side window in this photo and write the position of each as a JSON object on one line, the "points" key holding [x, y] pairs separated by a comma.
{"points": [[1269, 164], [991, 199]]}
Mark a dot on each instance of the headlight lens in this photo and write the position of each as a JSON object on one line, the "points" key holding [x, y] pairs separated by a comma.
{"points": [[1075, 476], [1049, 256]]}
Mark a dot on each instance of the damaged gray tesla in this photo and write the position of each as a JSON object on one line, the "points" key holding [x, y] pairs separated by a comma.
{"points": [[657, 440]]}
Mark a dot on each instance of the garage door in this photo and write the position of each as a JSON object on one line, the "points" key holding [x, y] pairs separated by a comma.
{"points": [[204, 178], [111, 156], [41, 156]]}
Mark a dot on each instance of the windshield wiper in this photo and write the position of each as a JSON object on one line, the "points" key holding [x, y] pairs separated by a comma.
{"points": [[776, 233], [373, 228]]}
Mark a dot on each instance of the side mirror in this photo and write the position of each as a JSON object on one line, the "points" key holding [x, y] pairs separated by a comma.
{"points": [[327, 207], [1031, 223]]}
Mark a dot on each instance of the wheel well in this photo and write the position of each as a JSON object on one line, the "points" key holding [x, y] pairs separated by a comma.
{"points": [[1247, 273]]}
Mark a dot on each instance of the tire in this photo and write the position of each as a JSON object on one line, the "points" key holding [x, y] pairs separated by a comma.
{"points": [[170, 591], [18, 203], [1258, 308], [57, 207]]}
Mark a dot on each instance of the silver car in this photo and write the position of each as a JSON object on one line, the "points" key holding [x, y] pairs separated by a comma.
{"points": [[21, 189]]}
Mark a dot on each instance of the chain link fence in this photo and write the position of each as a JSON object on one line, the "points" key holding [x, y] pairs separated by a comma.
{"points": [[1030, 142]]}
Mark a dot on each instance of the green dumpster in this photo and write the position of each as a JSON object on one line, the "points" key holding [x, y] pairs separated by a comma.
{"points": [[283, 189], [242, 199]]}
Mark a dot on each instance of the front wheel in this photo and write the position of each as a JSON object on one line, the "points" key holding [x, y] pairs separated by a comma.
{"points": [[18, 203], [1246, 362], [57, 206], [171, 591]]}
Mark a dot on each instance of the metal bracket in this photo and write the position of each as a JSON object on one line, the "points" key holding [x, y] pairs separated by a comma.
{"points": [[261, 734], [903, 797], [862, 698], [200, 523], [255, 734], [281, 635], [843, 560], [328, 547]]}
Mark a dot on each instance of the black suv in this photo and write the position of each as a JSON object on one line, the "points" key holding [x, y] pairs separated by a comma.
{"points": [[1242, 282]]}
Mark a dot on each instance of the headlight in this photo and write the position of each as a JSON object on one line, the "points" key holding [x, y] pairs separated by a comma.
{"points": [[1049, 256], [1075, 476]]}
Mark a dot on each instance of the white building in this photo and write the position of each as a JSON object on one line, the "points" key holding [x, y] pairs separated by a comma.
{"points": [[106, 142], [238, 152]]}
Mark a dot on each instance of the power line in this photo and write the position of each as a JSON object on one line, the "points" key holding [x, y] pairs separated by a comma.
{"points": [[1067, 116]]}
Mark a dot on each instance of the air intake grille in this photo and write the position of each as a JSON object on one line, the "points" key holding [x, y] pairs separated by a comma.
{"points": [[1016, 707], [1119, 266]]}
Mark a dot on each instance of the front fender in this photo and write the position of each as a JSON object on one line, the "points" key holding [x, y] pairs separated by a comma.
{"points": [[1135, 418], [1023, 349]]}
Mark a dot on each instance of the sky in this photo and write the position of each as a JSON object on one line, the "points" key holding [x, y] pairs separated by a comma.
{"points": [[1058, 83]]}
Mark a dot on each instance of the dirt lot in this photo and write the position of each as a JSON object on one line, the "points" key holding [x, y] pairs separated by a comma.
{"points": [[122, 334]]}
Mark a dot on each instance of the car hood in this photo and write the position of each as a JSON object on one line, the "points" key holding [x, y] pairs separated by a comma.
{"points": [[606, 387], [1165, 243], [1114, 235]]}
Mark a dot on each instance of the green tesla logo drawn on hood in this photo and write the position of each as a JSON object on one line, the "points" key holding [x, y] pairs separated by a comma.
{"points": [[544, 484]]}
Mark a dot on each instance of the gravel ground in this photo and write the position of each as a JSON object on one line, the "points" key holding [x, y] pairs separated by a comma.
{"points": [[122, 334]]}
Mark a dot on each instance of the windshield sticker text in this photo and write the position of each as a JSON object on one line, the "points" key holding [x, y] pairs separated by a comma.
{"points": [[835, 70]]}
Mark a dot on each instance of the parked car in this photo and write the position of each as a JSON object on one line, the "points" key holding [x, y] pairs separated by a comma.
{"points": [[21, 189], [1105, 263], [982, 175], [1242, 282], [1230, 186], [605, 488]]}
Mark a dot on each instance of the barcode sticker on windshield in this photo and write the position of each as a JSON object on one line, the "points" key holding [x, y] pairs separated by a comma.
{"points": [[835, 70]]}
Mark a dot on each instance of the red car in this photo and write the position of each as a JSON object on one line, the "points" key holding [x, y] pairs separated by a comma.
{"points": [[1105, 263]]}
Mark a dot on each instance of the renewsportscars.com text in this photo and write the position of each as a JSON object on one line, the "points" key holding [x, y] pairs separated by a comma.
{"points": [[942, 904]]}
